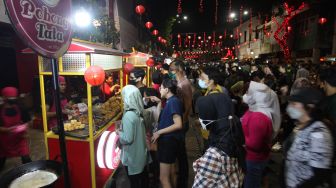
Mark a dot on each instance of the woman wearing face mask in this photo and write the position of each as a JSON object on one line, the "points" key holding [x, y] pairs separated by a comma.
{"points": [[169, 135], [13, 121], [209, 79], [219, 166], [132, 137], [257, 126], [309, 150]]}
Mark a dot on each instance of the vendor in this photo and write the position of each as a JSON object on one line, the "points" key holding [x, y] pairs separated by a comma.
{"points": [[108, 88], [13, 141], [50, 106]]}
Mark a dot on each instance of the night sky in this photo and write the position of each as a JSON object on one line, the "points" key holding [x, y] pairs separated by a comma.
{"points": [[159, 11]]}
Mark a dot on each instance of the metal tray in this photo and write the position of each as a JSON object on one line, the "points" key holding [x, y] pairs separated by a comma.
{"points": [[80, 133]]}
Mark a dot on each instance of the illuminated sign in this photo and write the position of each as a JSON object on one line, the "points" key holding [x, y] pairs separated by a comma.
{"points": [[108, 153]]}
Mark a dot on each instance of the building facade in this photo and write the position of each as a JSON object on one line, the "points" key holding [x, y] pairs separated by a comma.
{"points": [[308, 38]]}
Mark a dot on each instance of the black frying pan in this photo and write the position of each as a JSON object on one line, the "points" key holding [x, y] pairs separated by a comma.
{"points": [[48, 165]]}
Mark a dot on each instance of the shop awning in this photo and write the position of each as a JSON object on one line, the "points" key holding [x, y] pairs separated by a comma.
{"points": [[78, 46]]}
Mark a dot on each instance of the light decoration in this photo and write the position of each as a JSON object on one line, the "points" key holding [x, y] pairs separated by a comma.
{"points": [[230, 9], [179, 7], [250, 25], [108, 153], [282, 29], [216, 13], [201, 6], [322, 20]]}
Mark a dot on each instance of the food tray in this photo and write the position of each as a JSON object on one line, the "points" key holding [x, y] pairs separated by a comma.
{"points": [[79, 133]]}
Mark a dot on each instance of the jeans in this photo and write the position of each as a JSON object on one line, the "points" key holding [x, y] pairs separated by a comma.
{"points": [[182, 158], [254, 173]]}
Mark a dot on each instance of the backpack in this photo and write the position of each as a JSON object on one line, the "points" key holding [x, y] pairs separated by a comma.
{"points": [[237, 134]]}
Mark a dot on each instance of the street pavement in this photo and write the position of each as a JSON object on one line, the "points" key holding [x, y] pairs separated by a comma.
{"points": [[194, 150]]}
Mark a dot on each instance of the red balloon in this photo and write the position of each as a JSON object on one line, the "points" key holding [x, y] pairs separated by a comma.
{"points": [[128, 67], [155, 32], [140, 9], [94, 75], [149, 25], [150, 62]]}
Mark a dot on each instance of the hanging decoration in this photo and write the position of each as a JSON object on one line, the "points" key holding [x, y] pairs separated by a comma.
{"points": [[194, 41], [150, 62], [179, 40], [128, 67], [149, 25], [94, 75], [179, 7], [230, 9], [201, 6], [155, 32], [322, 20], [216, 13], [140, 9], [282, 29], [250, 25]]}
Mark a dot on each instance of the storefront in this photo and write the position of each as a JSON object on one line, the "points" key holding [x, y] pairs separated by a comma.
{"points": [[89, 125]]}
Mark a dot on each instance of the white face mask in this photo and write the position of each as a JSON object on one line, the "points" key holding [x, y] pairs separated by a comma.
{"points": [[202, 84], [293, 112]]}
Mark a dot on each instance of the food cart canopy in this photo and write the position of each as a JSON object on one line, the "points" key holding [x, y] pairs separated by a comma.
{"points": [[79, 46]]}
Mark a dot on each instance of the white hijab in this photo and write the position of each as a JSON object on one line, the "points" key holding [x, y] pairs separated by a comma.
{"points": [[261, 98], [132, 99]]}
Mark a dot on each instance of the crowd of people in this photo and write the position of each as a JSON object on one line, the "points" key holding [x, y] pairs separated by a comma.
{"points": [[244, 112]]}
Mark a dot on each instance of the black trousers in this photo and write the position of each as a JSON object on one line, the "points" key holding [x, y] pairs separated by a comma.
{"points": [[25, 159], [138, 180]]}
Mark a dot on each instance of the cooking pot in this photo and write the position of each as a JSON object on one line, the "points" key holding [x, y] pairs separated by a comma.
{"points": [[47, 165]]}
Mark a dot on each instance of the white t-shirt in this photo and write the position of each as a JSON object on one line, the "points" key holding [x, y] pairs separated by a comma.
{"points": [[312, 147]]}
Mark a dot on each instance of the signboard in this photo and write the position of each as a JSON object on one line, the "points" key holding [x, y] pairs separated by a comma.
{"points": [[3, 15], [44, 25]]}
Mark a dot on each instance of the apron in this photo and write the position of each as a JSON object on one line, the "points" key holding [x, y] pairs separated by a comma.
{"points": [[13, 144], [52, 122]]}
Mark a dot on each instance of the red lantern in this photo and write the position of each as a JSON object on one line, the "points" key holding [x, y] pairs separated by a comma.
{"points": [[159, 66], [322, 21], [140, 9], [150, 62], [160, 39], [128, 67], [94, 75], [149, 25], [155, 32], [289, 28]]}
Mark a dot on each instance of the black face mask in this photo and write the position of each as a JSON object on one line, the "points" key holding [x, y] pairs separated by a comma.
{"points": [[10, 112], [132, 82]]}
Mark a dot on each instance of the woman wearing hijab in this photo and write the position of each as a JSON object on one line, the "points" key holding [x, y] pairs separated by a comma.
{"points": [[219, 166], [169, 134], [257, 125], [132, 138]]}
